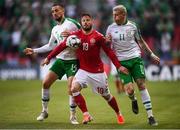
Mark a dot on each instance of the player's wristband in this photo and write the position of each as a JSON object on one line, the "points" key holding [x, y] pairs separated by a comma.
{"points": [[152, 55]]}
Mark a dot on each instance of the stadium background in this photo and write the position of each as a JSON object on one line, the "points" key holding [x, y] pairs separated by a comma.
{"points": [[29, 23]]}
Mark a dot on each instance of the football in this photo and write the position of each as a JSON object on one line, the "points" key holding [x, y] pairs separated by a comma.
{"points": [[73, 41]]}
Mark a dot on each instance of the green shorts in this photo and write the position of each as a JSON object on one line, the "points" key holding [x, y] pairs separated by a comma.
{"points": [[62, 67], [136, 70]]}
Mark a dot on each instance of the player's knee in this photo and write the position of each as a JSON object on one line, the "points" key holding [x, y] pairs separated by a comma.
{"points": [[129, 89], [75, 87], [141, 87]]}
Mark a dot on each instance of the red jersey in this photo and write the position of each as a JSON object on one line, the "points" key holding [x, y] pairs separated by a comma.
{"points": [[88, 52]]}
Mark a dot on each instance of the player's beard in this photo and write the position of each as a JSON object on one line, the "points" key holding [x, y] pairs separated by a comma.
{"points": [[58, 19], [87, 28]]}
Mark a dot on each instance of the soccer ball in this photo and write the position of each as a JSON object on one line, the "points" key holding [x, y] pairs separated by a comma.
{"points": [[73, 41]]}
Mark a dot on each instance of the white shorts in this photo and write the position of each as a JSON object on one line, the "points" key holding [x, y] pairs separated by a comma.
{"points": [[98, 81]]}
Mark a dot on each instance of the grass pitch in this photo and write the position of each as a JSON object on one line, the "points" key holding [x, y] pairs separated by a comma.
{"points": [[20, 104]]}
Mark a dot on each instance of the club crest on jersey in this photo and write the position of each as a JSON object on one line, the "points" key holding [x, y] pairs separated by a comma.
{"points": [[92, 41], [129, 34]]}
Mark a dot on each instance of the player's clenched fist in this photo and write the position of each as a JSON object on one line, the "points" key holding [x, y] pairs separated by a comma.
{"points": [[155, 58], [45, 62], [65, 33], [28, 51], [123, 70], [108, 38]]}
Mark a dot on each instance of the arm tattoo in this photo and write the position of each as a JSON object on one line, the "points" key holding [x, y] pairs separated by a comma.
{"points": [[144, 46]]}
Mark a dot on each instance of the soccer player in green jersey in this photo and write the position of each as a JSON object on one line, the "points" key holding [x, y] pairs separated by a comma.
{"points": [[126, 42], [65, 64]]}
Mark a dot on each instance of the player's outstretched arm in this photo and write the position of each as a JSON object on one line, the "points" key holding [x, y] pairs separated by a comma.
{"points": [[146, 48], [43, 49]]}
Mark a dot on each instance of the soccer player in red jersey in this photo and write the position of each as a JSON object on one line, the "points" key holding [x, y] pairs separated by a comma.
{"points": [[91, 70]]}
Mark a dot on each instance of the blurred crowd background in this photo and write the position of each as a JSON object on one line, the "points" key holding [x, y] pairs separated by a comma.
{"points": [[28, 23]]}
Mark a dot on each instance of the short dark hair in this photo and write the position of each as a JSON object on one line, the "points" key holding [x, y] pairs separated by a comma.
{"points": [[58, 4], [86, 14]]}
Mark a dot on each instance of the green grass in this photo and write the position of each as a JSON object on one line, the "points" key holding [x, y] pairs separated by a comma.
{"points": [[20, 103]]}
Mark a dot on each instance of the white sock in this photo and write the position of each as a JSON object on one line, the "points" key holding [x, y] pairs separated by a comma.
{"points": [[45, 99], [72, 103], [146, 101]]}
